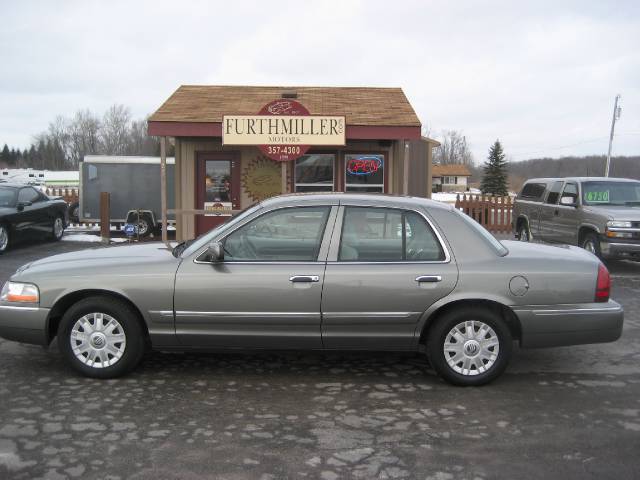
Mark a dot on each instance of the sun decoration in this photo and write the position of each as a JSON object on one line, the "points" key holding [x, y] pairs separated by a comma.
{"points": [[262, 178]]}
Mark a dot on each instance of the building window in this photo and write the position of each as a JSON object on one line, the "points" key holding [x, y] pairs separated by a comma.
{"points": [[448, 180], [364, 173], [314, 173]]}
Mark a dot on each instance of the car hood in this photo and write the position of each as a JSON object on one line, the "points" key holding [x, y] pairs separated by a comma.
{"points": [[629, 213], [100, 257], [547, 252]]}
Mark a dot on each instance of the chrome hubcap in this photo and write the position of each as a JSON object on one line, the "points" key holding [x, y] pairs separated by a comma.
{"points": [[143, 227], [58, 228], [4, 238], [98, 340], [590, 247], [524, 235], [471, 348]]}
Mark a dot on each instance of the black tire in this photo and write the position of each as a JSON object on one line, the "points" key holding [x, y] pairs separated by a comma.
{"points": [[56, 235], [74, 212], [129, 322], [591, 243], [5, 238], [145, 225], [440, 331], [524, 234]]}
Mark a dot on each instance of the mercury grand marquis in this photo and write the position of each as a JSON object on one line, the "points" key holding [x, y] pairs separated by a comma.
{"points": [[318, 272]]}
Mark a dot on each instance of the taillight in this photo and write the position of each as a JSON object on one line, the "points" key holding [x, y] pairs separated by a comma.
{"points": [[603, 284]]}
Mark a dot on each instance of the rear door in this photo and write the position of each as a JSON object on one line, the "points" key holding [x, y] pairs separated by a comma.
{"points": [[567, 218], [549, 213], [386, 266]]}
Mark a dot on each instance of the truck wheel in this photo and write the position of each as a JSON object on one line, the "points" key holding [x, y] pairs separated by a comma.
{"points": [[469, 346], [101, 337], [74, 212], [523, 233], [592, 244], [144, 227]]}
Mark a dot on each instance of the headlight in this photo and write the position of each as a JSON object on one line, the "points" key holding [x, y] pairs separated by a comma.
{"points": [[20, 293], [618, 224]]}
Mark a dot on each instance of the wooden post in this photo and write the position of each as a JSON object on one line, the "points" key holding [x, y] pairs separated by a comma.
{"points": [[405, 168], [163, 186], [105, 216], [284, 177]]}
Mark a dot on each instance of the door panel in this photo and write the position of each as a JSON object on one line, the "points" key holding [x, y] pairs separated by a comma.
{"points": [[549, 214], [242, 305], [568, 217], [377, 304]]}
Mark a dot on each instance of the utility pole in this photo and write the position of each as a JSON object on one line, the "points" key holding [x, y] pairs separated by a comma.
{"points": [[616, 116]]}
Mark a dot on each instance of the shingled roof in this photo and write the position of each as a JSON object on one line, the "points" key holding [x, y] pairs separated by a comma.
{"points": [[454, 169], [361, 106]]}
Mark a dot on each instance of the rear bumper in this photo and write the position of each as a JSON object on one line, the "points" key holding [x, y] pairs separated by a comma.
{"points": [[558, 325], [24, 324]]}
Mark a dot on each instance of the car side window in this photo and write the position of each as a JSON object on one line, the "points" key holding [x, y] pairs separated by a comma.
{"points": [[288, 234], [28, 195], [533, 191], [372, 234], [554, 193], [570, 190]]}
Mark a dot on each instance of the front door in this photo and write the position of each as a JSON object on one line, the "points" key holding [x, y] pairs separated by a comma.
{"points": [[267, 291], [217, 188], [384, 270], [549, 214]]}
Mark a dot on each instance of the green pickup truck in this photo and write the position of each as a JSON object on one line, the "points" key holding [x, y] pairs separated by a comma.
{"points": [[599, 214]]}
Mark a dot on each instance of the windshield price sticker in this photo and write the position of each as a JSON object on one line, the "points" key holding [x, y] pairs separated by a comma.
{"points": [[598, 197]]}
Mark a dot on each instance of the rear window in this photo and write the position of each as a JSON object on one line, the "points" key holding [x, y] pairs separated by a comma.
{"points": [[554, 193], [532, 191]]}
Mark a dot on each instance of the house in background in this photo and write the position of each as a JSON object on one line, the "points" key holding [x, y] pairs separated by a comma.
{"points": [[450, 178]]}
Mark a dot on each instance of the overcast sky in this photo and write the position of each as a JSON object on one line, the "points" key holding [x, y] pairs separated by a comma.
{"points": [[540, 76]]}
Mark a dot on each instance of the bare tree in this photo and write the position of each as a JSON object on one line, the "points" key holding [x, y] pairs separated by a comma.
{"points": [[84, 136], [453, 149], [115, 130]]}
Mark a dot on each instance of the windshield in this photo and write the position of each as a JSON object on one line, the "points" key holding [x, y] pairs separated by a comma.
{"points": [[611, 193], [205, 238], [499, 248], [7, 197]]}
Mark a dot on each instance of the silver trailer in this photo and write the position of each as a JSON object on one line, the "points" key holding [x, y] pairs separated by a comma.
{"points": [[134, 185]]}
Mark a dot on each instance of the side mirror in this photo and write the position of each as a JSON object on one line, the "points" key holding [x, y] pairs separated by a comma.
{"points": [[568, 201], [20, 206], [215, 252]]}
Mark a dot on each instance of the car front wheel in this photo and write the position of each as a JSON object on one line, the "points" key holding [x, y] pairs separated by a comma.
{"points": [[101, 337], [4, 238], [57, 228], [469, 346], [592, 244], [523, 233]]}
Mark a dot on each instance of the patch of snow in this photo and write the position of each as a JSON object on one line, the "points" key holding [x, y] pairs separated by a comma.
{"points": [[85, 237]]}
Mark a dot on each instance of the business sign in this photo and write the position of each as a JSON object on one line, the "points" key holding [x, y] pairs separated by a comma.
{"points": [[364, 165], [214, 209], [283, 130]]}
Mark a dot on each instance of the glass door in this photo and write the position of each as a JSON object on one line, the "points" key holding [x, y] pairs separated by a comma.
{"points": [[217, 189]]}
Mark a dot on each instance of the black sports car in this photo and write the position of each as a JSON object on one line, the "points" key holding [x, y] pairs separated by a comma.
{"points": [[24, 210]]}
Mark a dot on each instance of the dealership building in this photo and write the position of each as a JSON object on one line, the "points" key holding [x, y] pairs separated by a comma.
{"points": [[237, 145]]}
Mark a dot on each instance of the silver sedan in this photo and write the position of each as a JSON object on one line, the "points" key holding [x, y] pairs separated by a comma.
{"points": [[318, 272]]}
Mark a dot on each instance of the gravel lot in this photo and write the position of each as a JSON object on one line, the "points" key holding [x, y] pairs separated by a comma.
{"points": [[557, 413]]}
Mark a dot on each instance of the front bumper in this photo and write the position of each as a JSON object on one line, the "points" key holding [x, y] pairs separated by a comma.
{"points": [[24, 324], [560, 325], [616, 248]]}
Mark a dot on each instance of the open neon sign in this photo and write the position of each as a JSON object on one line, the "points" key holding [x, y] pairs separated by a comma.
{"points": [[366, 165]]}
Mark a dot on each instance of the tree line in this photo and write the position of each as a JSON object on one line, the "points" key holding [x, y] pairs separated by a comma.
{"points": [[68, 139]]}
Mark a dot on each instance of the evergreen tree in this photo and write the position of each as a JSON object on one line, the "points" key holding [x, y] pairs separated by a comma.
{"points": [[5, 156], [494, 180]]}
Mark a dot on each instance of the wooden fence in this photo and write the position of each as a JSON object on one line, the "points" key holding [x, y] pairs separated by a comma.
{"points": [[69, 194], [493, 213]]}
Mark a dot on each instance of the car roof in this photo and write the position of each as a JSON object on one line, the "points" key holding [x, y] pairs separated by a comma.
{"points": [[13, 185], [581, 179], [369, 199]]}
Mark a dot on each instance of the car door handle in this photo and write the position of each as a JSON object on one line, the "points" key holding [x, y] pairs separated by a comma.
{"points": [[304, 278], [429, 278]]}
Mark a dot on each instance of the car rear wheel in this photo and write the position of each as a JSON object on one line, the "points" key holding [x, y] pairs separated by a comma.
{"points": [[4, 238], [101, 337], [57, 228], [591, 244], [469, 346]]}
